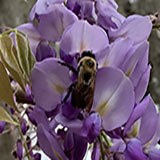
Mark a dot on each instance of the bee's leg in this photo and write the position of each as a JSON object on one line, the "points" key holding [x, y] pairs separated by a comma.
{"points": [[69, 92], [69, 66]]}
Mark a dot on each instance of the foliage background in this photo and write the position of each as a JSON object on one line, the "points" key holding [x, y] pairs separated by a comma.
{"points": [[16, 12]]}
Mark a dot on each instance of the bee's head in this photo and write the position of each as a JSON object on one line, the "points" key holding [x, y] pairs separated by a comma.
{"points": [[87, 61]]}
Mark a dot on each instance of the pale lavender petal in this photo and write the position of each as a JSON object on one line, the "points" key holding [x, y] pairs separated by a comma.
{"points": [[49, 144], [41, 6], [134, 150], [107, 16], [32, 33], [49, 81], [131, 60], [117, 53], [111, 3], [55, 21], [141, 63], [142, 85], [147, 121], [44, 50], [119, 146], [113, 94], [136, 27], [154, 154], [136, 114], [82, 36], [156, 136]]}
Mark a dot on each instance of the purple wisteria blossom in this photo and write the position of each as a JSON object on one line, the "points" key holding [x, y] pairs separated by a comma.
{"points": [[122, 122]]}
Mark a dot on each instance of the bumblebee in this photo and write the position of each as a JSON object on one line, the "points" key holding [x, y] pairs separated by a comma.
{"points": [[82, 89]]}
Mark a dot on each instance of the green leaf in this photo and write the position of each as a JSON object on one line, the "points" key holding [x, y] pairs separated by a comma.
{"points": [[22, 53], [4, 116], [8, 57], [5, 88]]}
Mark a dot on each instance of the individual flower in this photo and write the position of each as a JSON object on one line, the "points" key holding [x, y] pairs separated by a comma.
{"points": [[24, 126], [19, 151]]}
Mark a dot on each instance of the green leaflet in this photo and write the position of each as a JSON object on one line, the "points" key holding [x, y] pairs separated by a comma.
{"points": [[22, 53], [5, 88], [19, 59], [4, 116], [8, 57]]}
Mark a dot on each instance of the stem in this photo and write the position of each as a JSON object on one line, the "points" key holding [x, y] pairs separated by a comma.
{"points": [[101, 147], [106, 139], [156, 27]]}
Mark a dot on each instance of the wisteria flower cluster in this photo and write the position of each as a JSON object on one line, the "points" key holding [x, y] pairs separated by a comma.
{"points": [[44, 61]]}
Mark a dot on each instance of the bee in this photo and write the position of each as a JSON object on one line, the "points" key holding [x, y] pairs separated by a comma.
{"points": [[82, 89]]}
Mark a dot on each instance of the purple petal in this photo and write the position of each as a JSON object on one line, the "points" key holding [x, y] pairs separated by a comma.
{"points": [[53, 23], [24, 126], [44, 50], [69, 111], [41, 6], [37, 156], [113, 94], [75, 146], [82, 36], [39, 116], [136, 114], [96, 153], [19, 149], [91, 127], [134, 151], [49, 81], [133, 27], [49, 144], [2, 126], [31, 117], [147, 121], [74, 125], [32, 33]]}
